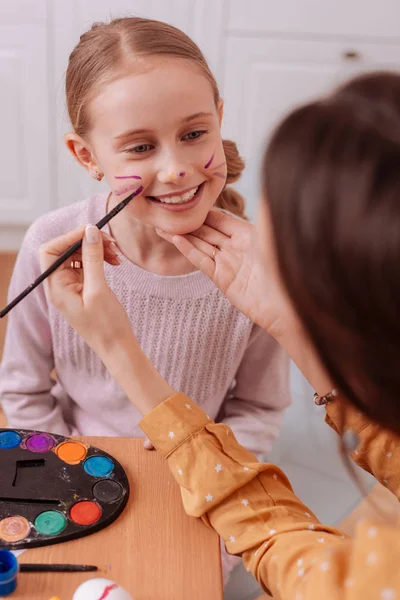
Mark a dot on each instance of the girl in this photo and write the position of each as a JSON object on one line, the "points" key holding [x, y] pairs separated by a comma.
{"points": [[146, 112], [326, 286]]}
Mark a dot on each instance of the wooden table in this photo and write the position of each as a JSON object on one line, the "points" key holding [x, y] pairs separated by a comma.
{"points": [[153, 549]]}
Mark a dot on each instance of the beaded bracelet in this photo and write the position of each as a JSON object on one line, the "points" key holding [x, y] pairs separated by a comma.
{"points": [[321, 400]]}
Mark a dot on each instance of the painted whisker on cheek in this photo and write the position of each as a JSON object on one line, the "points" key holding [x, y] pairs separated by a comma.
{"points": [[130, 188], [221, 175], [127, 177], [220, 165], [210, 161]]}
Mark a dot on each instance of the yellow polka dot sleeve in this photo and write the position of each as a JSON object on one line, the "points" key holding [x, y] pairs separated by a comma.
{"points": [[253, 508], [377, 451]]}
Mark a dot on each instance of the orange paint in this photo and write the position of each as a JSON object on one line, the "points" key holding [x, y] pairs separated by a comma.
{"points": [[71, 453], [85, 512], [14, 529]]}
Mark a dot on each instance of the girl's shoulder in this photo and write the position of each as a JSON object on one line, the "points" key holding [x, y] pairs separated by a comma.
{"points": [[67, 218]]}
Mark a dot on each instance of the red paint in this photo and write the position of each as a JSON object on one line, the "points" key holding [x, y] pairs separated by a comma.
{"points": [[85, 513], [107, 590]]}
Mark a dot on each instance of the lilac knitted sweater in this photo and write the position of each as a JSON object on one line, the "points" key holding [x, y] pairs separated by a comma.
{"points": [[196, 339]]}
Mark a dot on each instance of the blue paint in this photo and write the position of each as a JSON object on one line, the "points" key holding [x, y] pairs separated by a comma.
{"points": [[99, 466], [8, 573], [9, 439]]}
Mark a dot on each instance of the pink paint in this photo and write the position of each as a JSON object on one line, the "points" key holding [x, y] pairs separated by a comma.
{"points": [[127, 189], [127, 177], [182, 174], [107, 590], [210, 161], [220, 175]]}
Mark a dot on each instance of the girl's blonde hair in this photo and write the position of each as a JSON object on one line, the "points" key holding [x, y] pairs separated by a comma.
{"points": [[107, 46]]}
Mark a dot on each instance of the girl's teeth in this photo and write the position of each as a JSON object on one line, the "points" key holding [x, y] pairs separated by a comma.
{"points": [[179, 199]]}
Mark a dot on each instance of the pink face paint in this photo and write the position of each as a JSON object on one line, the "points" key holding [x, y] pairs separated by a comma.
{"points": [[220, 165], [127, 189], [127, 177], [210, 161], [220, 175], [182, 174]]}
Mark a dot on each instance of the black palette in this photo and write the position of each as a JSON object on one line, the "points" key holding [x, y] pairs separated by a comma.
{"points": [[54, 489]]}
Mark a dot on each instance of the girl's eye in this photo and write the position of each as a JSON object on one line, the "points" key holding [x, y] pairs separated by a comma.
{"points": [[194, 135], [140, 149]]}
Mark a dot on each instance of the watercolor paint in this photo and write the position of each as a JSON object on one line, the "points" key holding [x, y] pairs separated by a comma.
{"points": [[99, 466], [71, 453], [9, 439], [40, 443], [53, 489]]}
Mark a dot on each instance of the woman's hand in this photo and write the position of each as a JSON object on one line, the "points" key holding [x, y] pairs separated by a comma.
{"points": [[226, 250], [83, 297]]}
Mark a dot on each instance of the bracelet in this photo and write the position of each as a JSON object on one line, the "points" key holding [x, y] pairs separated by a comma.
{"points": [[321, 400]]}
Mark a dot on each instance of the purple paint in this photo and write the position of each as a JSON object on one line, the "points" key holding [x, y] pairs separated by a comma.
{"points": [[40, 442], [182, 174], [220, 175], [127, 189], [127, 177], [210, 161]]}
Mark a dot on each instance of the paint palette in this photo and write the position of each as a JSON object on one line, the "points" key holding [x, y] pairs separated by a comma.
{"points": [[54, 489]]}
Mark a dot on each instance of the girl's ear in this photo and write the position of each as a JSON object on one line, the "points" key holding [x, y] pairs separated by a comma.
{"points": [[81, 151], [220, 111]]}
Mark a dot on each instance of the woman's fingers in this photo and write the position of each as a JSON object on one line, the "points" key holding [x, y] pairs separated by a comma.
{"points": [[147, 444], [191, 249], [50, 251], [211, 236], [224, 223], [93, 259]]}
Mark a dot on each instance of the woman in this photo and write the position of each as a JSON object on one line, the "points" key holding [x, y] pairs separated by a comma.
{"points": [[323, 282]]}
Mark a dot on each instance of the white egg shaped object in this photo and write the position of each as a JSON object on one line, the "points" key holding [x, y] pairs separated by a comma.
{"points": [[94, 589]]}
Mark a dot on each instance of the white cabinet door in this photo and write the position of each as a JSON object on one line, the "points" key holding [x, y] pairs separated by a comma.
{"points": [[346, 18], [265, 78], [24, 115]]}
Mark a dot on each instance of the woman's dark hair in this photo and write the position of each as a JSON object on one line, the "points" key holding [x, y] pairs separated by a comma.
{"points": [[331, 177]]}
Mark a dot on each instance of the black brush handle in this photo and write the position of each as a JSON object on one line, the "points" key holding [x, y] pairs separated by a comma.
{"points": [[28, 568], [74, 248]]}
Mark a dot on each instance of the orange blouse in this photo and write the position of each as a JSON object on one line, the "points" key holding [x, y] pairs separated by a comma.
{"points": [[255, 511]]}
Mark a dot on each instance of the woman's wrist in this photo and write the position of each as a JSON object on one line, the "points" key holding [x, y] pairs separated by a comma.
{"points": [[136, 375]]}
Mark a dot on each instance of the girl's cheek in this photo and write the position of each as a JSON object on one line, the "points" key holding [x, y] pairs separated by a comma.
{"points": [[124, 183]]}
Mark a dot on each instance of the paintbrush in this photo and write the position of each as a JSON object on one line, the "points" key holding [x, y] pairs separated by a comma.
{"points": [[31, 568], [74, 248]]}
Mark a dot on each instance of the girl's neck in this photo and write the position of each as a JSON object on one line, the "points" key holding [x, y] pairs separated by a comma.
{"points": [[140, 244]]}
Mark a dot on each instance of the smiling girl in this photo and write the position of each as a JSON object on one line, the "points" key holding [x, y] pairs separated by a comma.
{"points": [[145, 111]]}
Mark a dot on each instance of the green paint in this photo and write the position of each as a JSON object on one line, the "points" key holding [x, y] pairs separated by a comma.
{"points": [[50, 522]]}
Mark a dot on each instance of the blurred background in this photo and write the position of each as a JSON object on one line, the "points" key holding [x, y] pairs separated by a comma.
{"points": [[267, 57]]}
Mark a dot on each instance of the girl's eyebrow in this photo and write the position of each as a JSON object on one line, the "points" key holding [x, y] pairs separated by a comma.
{"points": [[132, 132]]}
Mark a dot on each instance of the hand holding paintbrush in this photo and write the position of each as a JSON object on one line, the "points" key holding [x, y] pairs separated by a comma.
{"points": [[74, 248]]}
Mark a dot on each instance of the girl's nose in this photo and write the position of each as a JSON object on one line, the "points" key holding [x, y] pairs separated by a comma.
{"points": [[174, 175]]}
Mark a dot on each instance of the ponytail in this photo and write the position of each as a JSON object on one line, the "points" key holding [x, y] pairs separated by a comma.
{"points": [[229, 199]]}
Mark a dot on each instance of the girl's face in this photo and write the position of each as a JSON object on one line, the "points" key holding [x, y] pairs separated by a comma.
{"points": [[159, 128]]}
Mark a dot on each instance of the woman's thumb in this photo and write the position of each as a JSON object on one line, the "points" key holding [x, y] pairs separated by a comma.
{"points": [[93, 258]]}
